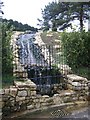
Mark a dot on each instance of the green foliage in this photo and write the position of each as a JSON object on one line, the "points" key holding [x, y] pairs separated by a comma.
{"points": [[19, 26], [6, 49], [76, 48], [62, 13], [7, 80]]}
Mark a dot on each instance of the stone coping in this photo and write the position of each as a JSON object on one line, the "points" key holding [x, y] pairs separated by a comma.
{"points": [[19, 114], [74, 77]]}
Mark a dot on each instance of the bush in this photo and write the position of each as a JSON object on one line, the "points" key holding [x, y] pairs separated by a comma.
{"points": [[76, 48], [6, 49]]}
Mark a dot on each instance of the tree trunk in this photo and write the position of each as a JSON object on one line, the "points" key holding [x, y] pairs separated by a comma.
{"points": [[81, 17]]}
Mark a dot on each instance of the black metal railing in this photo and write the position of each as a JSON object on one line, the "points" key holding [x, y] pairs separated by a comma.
{"points": [[41, 63]]}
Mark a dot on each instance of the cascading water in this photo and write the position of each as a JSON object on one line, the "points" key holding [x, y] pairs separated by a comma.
{"points": [[29, 53], [37, 60]]}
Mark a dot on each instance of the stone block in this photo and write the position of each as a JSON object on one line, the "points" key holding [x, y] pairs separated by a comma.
{"points": [[13, 91], [37, 105], [2, 91], [20, 84], [67, 99], [49, 101], [12, 102], [77, 78], [42, 100], [33, 93], [22, 93], [43, 104], [74, 98], [29, 107], [0, 98], [26, 83], [7, 91], [26, 101], [5, 98], [32, 88], [20, 98], [36, 100], [65, 69], [45, 96], [2, 104], [67, 93], [57, 100], [28, 98], [30, 83], [20, 102]]}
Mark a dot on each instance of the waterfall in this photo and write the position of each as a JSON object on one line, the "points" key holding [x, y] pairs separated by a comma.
{"points": [[29, 52]]}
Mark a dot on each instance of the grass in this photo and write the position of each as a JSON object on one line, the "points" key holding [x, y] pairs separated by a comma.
{"points": [[7, 80]]}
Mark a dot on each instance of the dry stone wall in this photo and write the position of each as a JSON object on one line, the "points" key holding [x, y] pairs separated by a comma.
{"points": [[22, 96], [18, 68]]}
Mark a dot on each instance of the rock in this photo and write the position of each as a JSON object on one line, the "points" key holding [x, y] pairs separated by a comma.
{"points": [[30, 107], [13, 91], [5, 97], [74, 98], [43, 104], [67, 93], [2, 91], [7, 91], [20, 98], [37, 105], [67, 99], [49, 101], [77, 78], [76, 82], [2, 104], [65, 69], [20, 84], [12, 102], [33, 93], [57, 100], [27, 83], [45, 96], [22, 93], [30, 83], [55, 95], [36, 100]]}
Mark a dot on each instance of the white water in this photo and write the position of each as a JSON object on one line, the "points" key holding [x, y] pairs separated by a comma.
{"points": [[26, 43]]}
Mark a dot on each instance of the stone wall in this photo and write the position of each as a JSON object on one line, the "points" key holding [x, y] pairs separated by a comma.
{"points": [[18, 68], [22, 96]]}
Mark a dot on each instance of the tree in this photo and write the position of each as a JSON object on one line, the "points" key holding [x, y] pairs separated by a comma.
{"points": [[62, 13], [18, 26], [6, 49]]}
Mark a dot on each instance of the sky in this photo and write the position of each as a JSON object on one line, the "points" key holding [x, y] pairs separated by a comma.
{"points": [[25, 11]]}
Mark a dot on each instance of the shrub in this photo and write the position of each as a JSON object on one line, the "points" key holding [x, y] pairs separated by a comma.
{"points": [[76, 48]]}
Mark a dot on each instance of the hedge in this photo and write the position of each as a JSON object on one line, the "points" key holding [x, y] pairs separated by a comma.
{"points": [[76, 48]]}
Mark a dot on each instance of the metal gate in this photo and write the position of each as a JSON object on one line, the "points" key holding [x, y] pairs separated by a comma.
{"points": [[41, 63]]}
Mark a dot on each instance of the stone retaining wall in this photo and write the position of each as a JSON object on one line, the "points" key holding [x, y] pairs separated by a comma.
{"points": [[22, 96]]}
